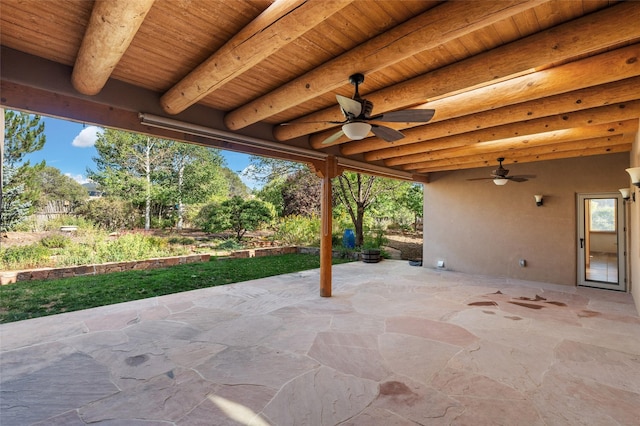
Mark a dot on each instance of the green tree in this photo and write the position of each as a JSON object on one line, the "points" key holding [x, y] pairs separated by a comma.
{"points": [[413, 199], [355, 192], [235, 186], [271, 193], [23, 135], [12, 209], [301, 194], [109, 213], [56, 186], [235, 214], [128, 165], [195, 173], [263, 169], [359, 194]]}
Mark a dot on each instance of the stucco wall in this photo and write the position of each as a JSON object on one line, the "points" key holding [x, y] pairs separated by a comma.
{"points": [[480, 228]]}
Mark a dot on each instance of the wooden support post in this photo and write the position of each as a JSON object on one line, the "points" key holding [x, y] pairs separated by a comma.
{"points": [[327, 170]]}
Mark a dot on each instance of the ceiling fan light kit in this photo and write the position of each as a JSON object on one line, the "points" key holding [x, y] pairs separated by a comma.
{"points": [[500, 181], [356, 130]]}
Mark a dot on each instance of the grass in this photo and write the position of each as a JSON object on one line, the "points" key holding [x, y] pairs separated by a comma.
{"points": [[33, 299]]}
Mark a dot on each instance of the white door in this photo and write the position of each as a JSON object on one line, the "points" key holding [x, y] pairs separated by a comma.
{"points": [[601, 241]]}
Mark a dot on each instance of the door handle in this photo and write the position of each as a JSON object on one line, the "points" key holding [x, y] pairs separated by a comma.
{"points": [[581, 242]]}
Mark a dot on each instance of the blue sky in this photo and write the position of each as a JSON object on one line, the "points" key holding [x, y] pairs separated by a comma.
{"points": [[69, 148]]}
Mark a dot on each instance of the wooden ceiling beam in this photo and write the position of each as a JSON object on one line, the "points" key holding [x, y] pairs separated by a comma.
{"points": [[608, 129], [583, 152], [513, 156], [591, 33], [280, 24], [429, 30], [620, 64], [582, 99], [112, 26], [594, 116]]}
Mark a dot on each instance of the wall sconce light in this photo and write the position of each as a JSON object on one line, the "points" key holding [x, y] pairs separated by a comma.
{"points": [[539, 200], [356, 130], [634, 172], [626, 194]]}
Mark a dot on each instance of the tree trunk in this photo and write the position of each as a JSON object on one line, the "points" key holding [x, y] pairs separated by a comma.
{"points": [[147, 169], [180, 206], [359, 223]]}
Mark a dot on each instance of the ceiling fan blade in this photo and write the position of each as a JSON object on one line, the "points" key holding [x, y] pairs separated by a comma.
{"points": [[334, 137], [406, 116], [521, 178], [313, 122], [349, 106], [482, 178], [386, 133]]}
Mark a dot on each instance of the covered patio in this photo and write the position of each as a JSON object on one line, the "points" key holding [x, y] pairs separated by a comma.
{"points": [[395, 345]]}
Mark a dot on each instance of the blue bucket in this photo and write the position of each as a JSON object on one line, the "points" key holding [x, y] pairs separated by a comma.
{"points": [[349, 239]]}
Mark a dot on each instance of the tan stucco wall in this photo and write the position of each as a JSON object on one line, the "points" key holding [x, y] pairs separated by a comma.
{"points": [[634, 230], [480, 228]]}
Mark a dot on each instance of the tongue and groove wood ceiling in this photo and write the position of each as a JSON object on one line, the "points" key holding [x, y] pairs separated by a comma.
{"points": [[526, 80]]}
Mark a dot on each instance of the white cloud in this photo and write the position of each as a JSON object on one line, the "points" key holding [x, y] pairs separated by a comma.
{"points": [[78, 178], [87, 137]]}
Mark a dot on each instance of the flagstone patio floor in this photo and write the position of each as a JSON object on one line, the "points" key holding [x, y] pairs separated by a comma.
{"points": [[395, 345]]}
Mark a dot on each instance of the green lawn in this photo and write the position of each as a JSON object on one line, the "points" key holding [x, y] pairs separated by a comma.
{"points": [[33, 299]]}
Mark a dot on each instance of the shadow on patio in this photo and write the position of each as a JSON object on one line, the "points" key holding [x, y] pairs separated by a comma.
{"points": [[396, 345]]}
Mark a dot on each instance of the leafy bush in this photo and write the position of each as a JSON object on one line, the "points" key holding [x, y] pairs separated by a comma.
{"points": [[55, 241], [110, 214], [23, 257], [185, 241], [229, 244], [375, 239], [69, 220], [298, 230], [131, 247], [236, 214]]}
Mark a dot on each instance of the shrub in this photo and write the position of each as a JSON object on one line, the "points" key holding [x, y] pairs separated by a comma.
{"points": [[110, 214], [234, 213], [131, 247], [230, 244], [374, 239], [298, 230], [55, 241], [23, 257], [185, 241]]}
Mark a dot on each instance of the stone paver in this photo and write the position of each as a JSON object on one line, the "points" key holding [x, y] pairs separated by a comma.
{"points": [[395, 345]]}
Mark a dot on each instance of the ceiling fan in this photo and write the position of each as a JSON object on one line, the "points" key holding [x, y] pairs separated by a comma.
{"points": [[500, 177], [358, 118]]}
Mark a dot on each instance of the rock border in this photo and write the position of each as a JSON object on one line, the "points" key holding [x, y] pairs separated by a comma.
{"points": [[11, 277]]}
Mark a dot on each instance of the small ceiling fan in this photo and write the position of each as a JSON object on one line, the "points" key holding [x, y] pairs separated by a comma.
{"points": [[500, 177], [357, 113]]}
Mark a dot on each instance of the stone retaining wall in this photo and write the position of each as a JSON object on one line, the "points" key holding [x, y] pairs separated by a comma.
{"points": [[11, 277], [267, 251]]}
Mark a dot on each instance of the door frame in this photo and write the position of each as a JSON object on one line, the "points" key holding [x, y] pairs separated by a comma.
{"points": [[581, 248]]}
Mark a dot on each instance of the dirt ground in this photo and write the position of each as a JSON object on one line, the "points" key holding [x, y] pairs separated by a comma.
{"points": [[410, 245]]}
